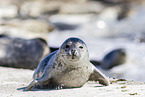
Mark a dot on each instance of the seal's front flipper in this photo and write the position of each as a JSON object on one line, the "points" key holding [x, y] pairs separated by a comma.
{"points": [[98, 76], [30, 86], [40, 81], [22, 89]]}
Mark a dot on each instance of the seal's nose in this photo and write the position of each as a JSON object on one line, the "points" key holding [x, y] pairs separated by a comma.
{"points": [[74, 52]]}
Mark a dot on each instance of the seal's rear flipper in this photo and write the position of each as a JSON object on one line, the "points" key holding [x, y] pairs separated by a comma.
{"points": [[98, 76]]}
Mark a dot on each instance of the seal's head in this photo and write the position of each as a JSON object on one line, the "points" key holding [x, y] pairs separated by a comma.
{"points": [[74, 49]]}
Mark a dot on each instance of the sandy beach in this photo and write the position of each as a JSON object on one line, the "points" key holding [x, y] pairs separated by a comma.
{"points": [[13, 79]]}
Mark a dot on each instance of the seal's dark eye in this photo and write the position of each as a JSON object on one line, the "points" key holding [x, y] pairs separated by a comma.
{"points": [[67, 46], [81, 47]]}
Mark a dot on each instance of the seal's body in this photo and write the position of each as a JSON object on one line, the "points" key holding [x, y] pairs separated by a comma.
{"points": [[68, 67], [22, 53], [114, 58]]}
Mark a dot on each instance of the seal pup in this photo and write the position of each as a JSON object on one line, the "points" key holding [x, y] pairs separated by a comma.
{"points": [[111, 59], [68, 67], [22, 53]]}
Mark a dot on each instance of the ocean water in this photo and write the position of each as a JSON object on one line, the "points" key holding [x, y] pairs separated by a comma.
{"points": [[105, 34]]}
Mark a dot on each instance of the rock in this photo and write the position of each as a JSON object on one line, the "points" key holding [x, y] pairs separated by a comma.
{"points": [[51, 7], [32, 8], [79, 8], [71, 19], [65, 26], [38, 26], [74, 1], [8, 11], [28, 28]]}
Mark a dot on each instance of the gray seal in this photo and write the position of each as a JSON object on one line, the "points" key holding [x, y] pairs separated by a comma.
{"points": [[113, 58], [68, 67], [22, 53]]}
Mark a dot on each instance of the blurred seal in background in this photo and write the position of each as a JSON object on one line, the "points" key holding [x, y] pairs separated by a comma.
{"points": [[113, 58], [22, 53]]}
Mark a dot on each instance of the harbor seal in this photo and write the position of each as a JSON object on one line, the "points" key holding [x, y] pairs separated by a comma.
{"points": [[22, 53], [113, 58], [68, 67]]}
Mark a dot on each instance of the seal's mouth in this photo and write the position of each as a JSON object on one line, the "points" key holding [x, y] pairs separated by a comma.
{"points": [[72, 58], [73, 55]]}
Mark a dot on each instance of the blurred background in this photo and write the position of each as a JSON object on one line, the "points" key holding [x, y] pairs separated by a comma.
{"points": [[104, 25]]}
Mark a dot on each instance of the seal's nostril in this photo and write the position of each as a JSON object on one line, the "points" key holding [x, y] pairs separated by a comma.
{"points": [[73, 52]]}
